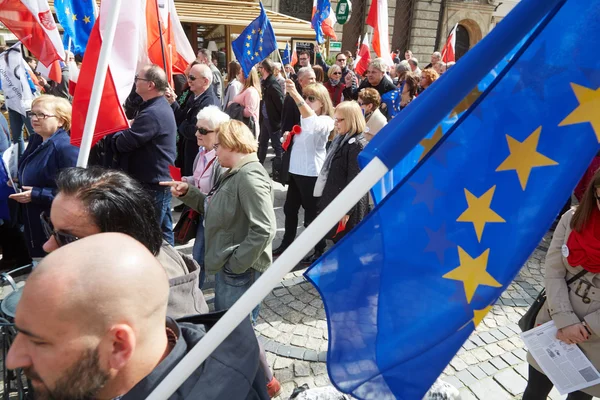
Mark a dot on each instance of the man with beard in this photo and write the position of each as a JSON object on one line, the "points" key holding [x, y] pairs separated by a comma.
{"points": [[92, 325]]}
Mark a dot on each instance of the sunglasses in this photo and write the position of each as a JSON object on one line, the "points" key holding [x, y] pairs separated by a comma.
{"points": [[312, 99], [191, 78], [62, 239], [336, 73], [341, 60], [203, 131]]}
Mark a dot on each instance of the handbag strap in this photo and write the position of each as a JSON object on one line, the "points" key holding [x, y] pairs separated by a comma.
{"points": [[579, 275]]}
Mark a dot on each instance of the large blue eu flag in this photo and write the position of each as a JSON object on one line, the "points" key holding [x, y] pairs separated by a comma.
{"points": [[255, 43], [77, 19], [409, 284]]}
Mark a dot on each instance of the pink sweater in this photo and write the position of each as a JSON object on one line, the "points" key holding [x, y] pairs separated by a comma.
{"points": [[250, 99]]}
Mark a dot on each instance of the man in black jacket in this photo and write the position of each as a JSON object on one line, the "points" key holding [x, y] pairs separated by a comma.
{"points": [[200, 80], [270, 114], [376, 78], [93, 325], [146, 150]]}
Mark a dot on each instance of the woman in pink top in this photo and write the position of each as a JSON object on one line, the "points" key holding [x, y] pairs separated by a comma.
{"points": [[250, 96]]}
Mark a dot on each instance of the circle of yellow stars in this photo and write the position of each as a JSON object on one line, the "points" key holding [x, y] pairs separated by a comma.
{"points": [[248, 43], [86, 19]]}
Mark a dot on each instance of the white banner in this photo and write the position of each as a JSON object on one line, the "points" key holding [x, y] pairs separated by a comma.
{"points": [[17, 93]]}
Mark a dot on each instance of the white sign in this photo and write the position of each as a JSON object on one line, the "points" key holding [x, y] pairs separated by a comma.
{"points": [[17, 94]]}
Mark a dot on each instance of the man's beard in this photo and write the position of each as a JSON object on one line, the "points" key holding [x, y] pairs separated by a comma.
{"points": [[82, 381]]}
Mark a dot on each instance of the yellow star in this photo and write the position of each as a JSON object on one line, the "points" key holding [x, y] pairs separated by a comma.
{"points": [[429, 143], [249, 52], [86, 19], [67, 11], [472, 272], [466, 102], [478, 315], [479, 211], [247, 44], [589, 104], [261, 39], [74, 17], [523, 157], [256, 53], [260, 48], [253, 31], [249, 37]]}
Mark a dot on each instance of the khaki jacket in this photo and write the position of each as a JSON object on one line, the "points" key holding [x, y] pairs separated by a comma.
{"points": [[566, 307], [239, 221], [375, 123]]}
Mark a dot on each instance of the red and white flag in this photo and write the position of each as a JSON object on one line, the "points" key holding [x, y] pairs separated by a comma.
{"points": [[327, 24], [294, 56], [378, 19], [178, 52], [449, 50], [32, 22], [122, 67], [363, 57]]}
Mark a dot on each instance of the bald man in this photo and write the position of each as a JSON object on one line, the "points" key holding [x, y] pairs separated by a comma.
{"points": [[92, 325], [200, 80], [146, 150]]}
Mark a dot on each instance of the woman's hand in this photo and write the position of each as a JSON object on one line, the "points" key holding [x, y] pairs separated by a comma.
{"points": [[344, 220], [24, 197], [178, 189], [573, 334]]}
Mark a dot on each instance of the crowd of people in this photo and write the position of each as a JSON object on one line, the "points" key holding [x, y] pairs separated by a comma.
{"points": [[217, 128]]}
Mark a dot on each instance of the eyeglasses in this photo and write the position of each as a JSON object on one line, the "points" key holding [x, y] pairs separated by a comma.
{"points": [[62, 239], [137, 78], [41, 116], [191, 78], [312, 99], [203, 131], [339, 120], [303, 59], [216, 146], [336, 73]]}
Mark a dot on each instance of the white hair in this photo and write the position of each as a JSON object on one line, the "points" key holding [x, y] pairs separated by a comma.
{"points": [[437, 54], [277, 65], [380, 64], [304, 70], [212, 116]]}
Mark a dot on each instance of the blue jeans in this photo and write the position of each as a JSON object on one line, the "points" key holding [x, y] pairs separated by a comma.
{"points": [[229, 287], [198, 250], [162, 204], [17, 121]]}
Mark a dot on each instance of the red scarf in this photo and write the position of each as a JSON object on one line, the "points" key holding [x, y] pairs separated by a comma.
{"points": [[584, 246]]}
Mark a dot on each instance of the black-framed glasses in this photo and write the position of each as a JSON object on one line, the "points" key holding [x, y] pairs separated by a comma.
{"points": [[203, 131], [336, 73], [137, 78], [191, 78], [312, 99], [41, 116], [62, 239]]}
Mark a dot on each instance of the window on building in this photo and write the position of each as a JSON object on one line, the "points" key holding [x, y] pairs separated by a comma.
{"points": [[463, 41]]}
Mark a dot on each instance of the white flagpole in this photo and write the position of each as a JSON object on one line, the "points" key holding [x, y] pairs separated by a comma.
{"points": [[356, 189], [94, 106]]}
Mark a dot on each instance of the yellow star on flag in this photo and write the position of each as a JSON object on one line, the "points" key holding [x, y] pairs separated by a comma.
{"points": [[86, 19], [256, 53], [466, 102], [524, 157], [478, 315], [429, 143], [67, 11], [589, 104], [472, 272], [74, 17], [253, 31], [261, 39], [249, 52], [249, 37], [479, 212], [260, 48], [247, 44]]}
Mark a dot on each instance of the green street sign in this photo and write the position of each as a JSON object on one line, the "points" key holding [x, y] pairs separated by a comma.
{"points": [[335, 47], [342, 11]]}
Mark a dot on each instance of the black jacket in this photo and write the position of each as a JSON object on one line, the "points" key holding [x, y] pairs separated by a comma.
{"points": [[146, 150], [384, 86], [273, 100], [290, 116], [60, 89], [186, 125], [232, 371]]}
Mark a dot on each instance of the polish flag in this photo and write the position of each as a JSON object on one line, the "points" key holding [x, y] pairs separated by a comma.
{"points": [[378, 19], [449, 50], [32, 22], [327, 24], [294, 56], [363, 58], [178, 52], [120, 76]]}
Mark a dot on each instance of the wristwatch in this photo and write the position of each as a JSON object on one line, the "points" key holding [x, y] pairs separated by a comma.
{"points": [[301, 103]]}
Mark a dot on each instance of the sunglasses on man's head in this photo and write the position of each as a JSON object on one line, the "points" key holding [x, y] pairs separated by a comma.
{"points": [[203, 131], [62, 239], [312, 99]]}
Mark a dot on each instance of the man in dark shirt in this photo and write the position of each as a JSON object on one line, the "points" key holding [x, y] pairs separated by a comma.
{"points": [[375, 79], [146, 150]]}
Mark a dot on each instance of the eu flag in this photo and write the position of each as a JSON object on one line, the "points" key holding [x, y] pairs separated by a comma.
{"points": [[77, 18], [407, 286], [321, 13], [287, 58], [255, 43]]}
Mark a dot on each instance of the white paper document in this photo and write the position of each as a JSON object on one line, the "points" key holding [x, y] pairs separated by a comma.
{"points": [[565, 364]]}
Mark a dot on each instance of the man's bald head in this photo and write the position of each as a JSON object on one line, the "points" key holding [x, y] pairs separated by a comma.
{"points": [[95, 308]]}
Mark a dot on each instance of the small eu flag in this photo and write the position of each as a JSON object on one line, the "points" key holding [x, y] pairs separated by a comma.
{"points": [[410, 283], [321, 13], [77, 18], [287, 58], [255, 43]]}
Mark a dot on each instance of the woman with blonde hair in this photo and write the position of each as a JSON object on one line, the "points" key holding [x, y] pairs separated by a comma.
{"points": [[334, 84], [250, 96], [239, 221], [341, 166], [307, 154], [49, 151]]}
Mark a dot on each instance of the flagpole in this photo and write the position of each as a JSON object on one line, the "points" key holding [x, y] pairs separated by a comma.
{"points": [[162, 45], [98, 85], [282, 65]]}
